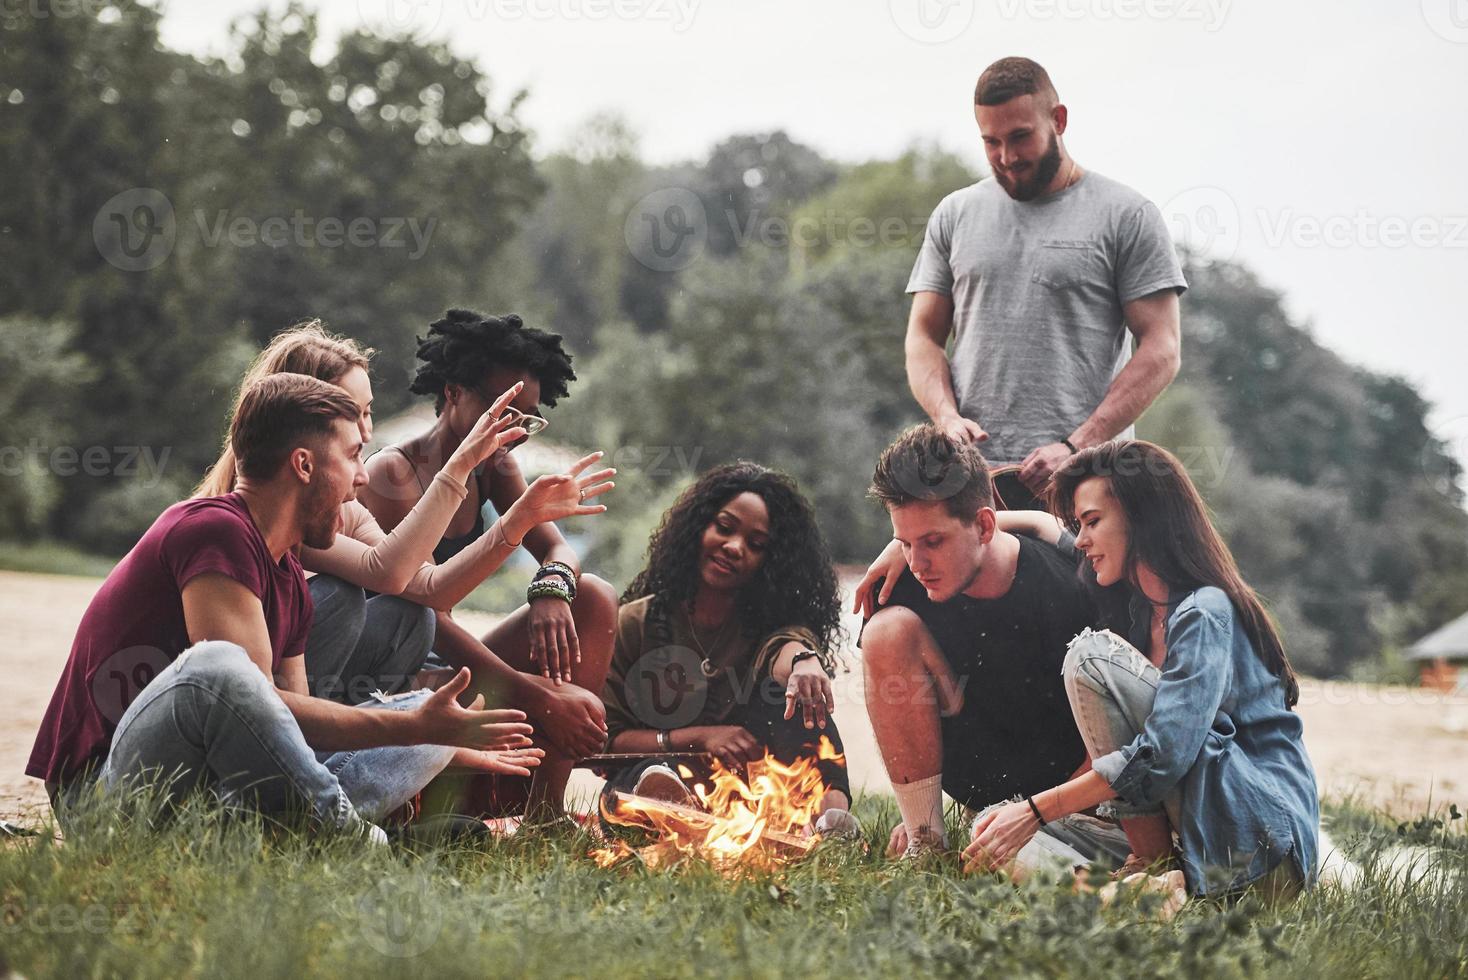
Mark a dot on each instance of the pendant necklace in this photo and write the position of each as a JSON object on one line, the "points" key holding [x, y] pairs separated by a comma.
{"points": [[707, 665]]}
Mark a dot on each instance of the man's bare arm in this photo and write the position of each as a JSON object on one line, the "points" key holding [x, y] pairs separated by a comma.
{"points": [[1155, 321], [929, 374]]}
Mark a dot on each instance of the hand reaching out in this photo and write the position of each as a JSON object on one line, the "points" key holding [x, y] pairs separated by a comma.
{"points": [[505, 762], [557, 495], [809, 689], [441, 720]]}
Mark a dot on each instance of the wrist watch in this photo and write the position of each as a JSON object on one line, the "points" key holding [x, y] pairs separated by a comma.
{"points": [[803, 655]]}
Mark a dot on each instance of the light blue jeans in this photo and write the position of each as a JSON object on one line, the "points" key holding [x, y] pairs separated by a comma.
{"points": [[212, 720], [359, 645], [1071, 843], [1112, 687]]}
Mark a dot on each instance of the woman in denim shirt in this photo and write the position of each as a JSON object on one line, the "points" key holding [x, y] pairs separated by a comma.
{"points": [[1195, 735]]}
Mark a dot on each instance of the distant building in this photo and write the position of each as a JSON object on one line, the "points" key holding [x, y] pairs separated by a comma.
{"points": [[1443, 656]]}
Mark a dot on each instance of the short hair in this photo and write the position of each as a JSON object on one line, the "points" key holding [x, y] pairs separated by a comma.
{"points": [[465, 346], [924, 464], [1009, 78], [280, 412]]}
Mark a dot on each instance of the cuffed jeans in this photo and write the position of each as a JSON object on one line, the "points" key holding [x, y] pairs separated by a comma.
{"points": [[1111, 687], [212, 720], [358, 645], [1071, 843]]}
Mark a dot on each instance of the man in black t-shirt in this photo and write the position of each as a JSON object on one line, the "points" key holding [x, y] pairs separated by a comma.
{"points": [[962, 665]]}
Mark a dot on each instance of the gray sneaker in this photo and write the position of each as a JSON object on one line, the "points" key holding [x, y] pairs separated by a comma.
{"points": [[658, 782], [924, 844], [369, 833], [838, 824]]}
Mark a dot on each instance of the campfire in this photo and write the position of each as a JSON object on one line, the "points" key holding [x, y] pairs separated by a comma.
{"points": [[762, 823]]}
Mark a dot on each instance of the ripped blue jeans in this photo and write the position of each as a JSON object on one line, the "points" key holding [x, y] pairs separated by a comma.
{"points": [[212, 720], [1111, 687]]}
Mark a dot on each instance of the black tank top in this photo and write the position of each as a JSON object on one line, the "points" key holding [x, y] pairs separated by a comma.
{"points": [[449, 547]]}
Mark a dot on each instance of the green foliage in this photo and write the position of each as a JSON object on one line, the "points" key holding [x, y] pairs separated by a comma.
{"points": [[1341, 506], [39, 376], [51, 558], [881, 205], [780, 342], [265, 159]]}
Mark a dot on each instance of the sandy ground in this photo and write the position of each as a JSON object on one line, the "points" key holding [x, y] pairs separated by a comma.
{"points": [[1394, 747]]}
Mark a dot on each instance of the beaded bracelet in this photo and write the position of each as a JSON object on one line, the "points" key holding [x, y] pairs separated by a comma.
{"points": [[559, 570], [547, 590], [556, 567]]}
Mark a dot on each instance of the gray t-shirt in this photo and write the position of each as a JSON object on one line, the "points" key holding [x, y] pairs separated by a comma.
{"points": [[1038, 288]]}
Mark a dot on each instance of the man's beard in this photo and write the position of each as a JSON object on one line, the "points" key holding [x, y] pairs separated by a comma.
{"points": [[1045, 170], [320, 529]]}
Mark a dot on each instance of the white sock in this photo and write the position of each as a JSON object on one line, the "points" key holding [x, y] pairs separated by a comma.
{"points": [[921, 804]]}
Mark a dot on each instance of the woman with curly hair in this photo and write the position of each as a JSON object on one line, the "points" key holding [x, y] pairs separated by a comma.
{"points": [[724, 640], [560, 641]]}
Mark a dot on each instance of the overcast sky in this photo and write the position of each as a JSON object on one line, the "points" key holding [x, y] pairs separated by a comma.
{"points": [[1321, 143]]}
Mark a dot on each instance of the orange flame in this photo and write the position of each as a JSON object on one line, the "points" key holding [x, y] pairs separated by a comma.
{"points": [[761, 823]]}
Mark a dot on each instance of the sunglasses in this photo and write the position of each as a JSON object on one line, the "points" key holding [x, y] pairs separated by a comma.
{"points": [[530, 423]]}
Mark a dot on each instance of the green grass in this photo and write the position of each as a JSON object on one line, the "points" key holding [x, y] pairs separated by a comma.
{"points": [[209, 897], [51, 558]]}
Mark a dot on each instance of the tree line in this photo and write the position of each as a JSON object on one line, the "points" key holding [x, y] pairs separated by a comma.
{"points": [[164, 214]]}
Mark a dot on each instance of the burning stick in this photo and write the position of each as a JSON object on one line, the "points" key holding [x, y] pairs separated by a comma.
{"points": [[687, 822], [755, 823], [620, 760]]}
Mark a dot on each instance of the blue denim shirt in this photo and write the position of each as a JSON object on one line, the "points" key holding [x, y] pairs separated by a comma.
{"points": [[1220, 735]]}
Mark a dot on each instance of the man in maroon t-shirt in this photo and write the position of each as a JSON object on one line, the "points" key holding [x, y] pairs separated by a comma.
{"points": [[187, 665]]}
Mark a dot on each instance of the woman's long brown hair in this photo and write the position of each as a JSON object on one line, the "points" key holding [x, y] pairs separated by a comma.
{"points": [[1169, 530], [305, 348]]}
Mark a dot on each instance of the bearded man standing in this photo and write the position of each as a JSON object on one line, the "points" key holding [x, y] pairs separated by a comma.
{"points": [[1038, 273]]}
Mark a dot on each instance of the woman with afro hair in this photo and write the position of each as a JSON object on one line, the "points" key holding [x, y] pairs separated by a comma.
{"points": [[560, 640], [723, 641]]}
